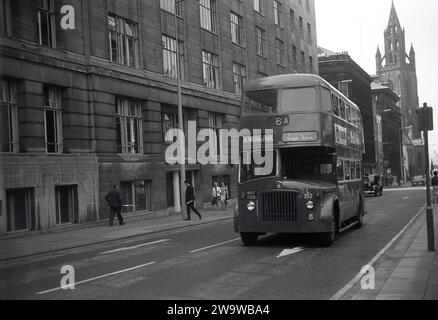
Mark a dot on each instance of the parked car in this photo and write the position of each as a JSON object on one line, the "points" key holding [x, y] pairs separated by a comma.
{"points": [[372, 184], [419, 181]]}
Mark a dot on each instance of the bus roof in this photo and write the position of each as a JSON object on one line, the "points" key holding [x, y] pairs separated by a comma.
{"points": [[294, 80]]}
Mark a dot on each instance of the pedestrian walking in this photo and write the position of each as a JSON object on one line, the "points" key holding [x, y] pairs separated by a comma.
{"points": [[190, 200], [224, 195], [115, 203], [216, 194], [434, 184]]}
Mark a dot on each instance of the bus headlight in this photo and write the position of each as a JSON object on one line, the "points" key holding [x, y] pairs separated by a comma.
{"points": [[251, 206], [310, 205]]}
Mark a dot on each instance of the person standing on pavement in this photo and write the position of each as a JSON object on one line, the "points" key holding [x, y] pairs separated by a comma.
{"points": [[224, 195], [114, 200], [190, 200], [434, 184], [216, 193]]}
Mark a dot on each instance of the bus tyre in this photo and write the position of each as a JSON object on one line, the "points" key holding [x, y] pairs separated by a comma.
{"points": [[327, 239], [248, 239]]}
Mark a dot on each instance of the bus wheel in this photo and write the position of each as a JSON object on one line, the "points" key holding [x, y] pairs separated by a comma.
{"points": [[327, 239], [248, 239]]}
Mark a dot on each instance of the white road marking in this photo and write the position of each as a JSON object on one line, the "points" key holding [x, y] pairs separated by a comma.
{"points": [[358, 277], [99, 277], [406, 198], [135, 247], [288, 252], [213, 246]]}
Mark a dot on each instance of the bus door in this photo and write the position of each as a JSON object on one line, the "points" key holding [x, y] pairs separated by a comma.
{"points": [[343, 189]]}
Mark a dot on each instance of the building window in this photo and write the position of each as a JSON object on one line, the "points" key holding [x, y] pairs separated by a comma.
{"points": [[261, 41], [123, 41], [136, 196], [170, 5], [170, 121], [236, 28], [303, 61], [215, 123], [20, 209], [8, 116], [208, 14], [257, 6], [5, 18], [129, 126], [309, 33], [210, 67], [292, 20], [46, 23], [66, 204], [310, 64], [53, 119], [279, 51], [294, 58], [169, 57], [278, 7], [301, 26], [239, 77]]}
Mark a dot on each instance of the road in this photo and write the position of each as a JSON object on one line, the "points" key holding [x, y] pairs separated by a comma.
{"points": [[210, 262]]}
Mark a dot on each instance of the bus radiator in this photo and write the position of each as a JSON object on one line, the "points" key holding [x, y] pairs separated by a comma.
{"points": [[279, 206]]}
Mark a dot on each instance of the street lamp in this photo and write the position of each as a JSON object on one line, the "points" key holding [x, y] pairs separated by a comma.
{"points": [[181, 138]]}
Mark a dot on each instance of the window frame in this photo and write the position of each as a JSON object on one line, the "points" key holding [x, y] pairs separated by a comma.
{"points": [[8, 99], [53, 106], [208, 15], [47, 9], [237, 29], [5, 17], [169, 57], [278, 10], [239, 77], [130, 123], [118, 33], [210, 70]]}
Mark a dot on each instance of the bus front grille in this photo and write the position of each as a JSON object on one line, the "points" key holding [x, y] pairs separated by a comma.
{"points": [[279, 206]]}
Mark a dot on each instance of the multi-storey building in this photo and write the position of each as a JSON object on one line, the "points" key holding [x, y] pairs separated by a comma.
{"points": [[388, 110], [88, 92]]}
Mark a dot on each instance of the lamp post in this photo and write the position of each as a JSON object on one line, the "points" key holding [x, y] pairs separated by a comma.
{"points": [[181, 138]]}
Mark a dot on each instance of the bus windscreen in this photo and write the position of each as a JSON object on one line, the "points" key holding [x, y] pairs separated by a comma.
{"points": [[298, 100]]}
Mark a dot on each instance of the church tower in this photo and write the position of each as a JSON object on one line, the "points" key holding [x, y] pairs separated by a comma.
{"points": [[398, 68]]}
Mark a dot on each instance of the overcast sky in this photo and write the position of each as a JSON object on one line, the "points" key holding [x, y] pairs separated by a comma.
{"points": [[357, 26]]}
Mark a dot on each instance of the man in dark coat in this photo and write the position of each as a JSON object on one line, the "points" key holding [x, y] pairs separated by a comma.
{"points": [[115, 203], [190, 200]]}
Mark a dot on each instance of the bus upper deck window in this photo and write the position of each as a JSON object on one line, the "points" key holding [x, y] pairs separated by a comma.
{"points": [[326, 100], [343, 115], [298, 100], [335, 104], [348, 112]]}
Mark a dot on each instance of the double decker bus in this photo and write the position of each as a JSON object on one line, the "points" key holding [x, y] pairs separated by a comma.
{"points": [[315, 185]]}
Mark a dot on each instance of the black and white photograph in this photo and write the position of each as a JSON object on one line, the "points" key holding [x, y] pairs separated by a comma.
{"points": [[218, 156]]}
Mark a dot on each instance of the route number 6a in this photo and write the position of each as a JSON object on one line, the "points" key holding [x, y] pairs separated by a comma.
{"points": [[284, 121]]}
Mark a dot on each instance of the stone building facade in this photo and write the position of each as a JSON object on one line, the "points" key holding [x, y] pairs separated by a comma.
{"points": [[88, 91]]}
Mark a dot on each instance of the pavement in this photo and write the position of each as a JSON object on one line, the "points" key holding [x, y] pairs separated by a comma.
{"points": [[84, 235], [406, 271]]}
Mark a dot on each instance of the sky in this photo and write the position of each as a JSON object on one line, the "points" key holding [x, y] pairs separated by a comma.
{"points": [[357, 26]]}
